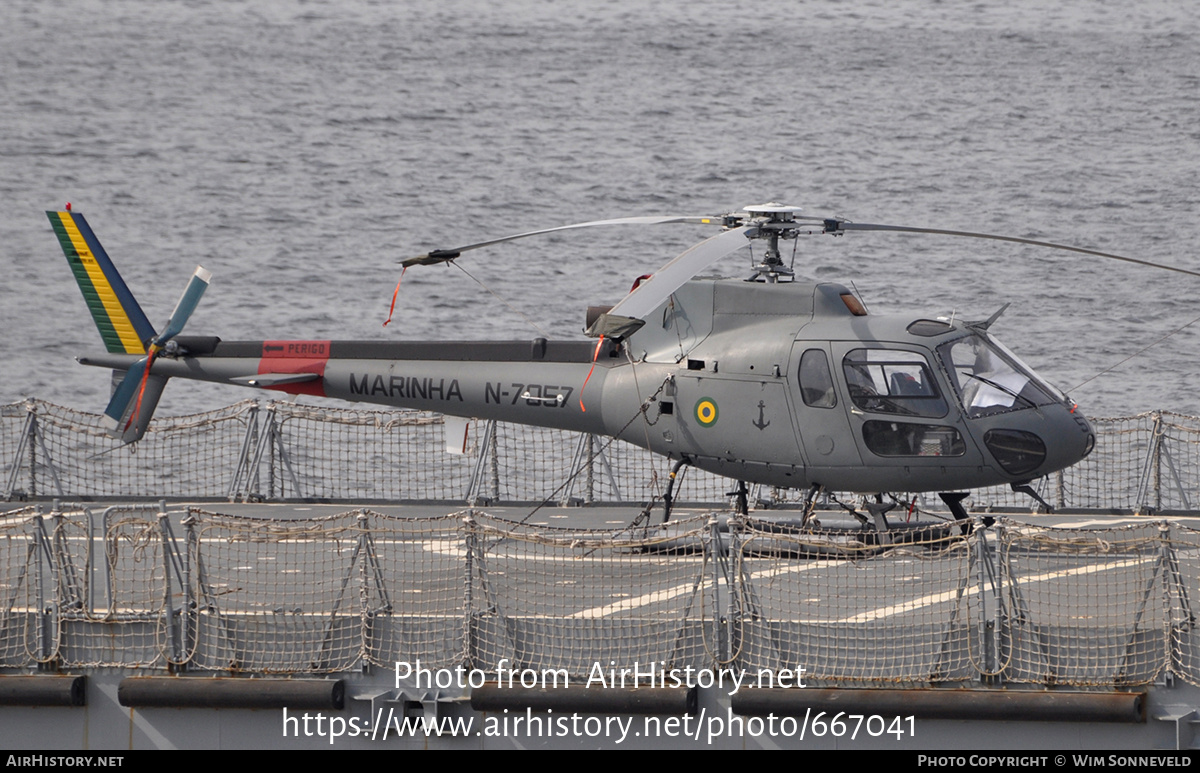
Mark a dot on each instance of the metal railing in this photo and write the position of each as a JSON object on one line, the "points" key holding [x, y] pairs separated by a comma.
{"points": [[148, 587], [278, 450]]}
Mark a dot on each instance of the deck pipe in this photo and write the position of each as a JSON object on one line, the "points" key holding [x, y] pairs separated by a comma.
{"points": [[1007, 705], [640, 700], [64, 690], [230, 693]]}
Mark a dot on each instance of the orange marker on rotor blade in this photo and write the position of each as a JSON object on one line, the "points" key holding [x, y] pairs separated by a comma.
{"points": [[395, 293]]}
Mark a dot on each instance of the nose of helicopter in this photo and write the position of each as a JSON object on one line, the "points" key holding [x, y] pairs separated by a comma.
{"points": [[1038, 444], [1073, 438]]}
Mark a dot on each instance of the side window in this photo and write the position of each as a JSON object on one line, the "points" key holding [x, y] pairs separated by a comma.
{"points": [[888, 438], [816, 380], [892, 381]]}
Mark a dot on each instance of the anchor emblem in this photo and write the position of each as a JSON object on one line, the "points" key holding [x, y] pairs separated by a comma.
{"points": [[760, 423]]}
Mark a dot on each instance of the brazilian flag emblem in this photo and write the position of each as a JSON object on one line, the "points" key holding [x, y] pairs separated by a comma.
{"points": [[706, 411]]}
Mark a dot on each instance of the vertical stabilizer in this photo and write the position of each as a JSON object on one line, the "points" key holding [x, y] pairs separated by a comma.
{"points": [[120, 319]]}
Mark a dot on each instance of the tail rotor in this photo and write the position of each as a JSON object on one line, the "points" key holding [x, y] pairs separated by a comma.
{"points": [[129, 410]]}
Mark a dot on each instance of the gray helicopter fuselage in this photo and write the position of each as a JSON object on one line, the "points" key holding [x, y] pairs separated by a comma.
{"points": [[739, 346], [785, 384]]}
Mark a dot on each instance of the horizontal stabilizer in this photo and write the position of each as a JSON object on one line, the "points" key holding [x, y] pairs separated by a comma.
{"points": [[264, 380]]}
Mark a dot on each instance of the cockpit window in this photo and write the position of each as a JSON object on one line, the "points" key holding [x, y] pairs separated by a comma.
{"points": [[892, 381], [990, 382], [816, 380]]}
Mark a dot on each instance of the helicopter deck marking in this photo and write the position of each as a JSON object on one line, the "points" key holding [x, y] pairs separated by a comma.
{"points": [[911, 605], [679, 590]]}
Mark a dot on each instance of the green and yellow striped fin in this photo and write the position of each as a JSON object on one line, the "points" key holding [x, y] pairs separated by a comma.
{"points": [[122, 324]]}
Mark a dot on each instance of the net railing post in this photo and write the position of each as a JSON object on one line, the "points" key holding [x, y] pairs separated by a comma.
{"points": [[253, 487], [1060, 492], [591, 468], [354, 571], [92, 569], [191, 547], [1165, 454], [494, 452], [470, 540], [1150, 480], [39, 579], [277, 443], [1157, 451], [578, 460], [168, 612], [736, 579], [45, 613], [574, 471], [998, 616], [187, 623], [26, 431], [1179, 620], [71, 591], [991, 621], [608, 472], [267, 438], [33, 454], [712, 552], [109, 596], [365, 613], [723, 579], [174, 565], [472, 495], [35, 437], [982, 625], [370, 575], [239, 487], [942, 665], [1170, 575]]}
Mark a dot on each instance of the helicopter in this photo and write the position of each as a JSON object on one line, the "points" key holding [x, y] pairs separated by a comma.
{"points": [[766, 379]]}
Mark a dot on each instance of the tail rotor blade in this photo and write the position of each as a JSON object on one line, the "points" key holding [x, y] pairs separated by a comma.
{"points": [[187, 304], [122, 399]]}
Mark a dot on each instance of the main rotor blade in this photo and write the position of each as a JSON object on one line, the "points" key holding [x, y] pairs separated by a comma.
{"points": [[442, 256], [845, 226], [671, 277], [187, 304]]}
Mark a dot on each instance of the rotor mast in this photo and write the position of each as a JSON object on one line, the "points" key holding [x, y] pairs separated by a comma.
{"points": [[771, 221]]}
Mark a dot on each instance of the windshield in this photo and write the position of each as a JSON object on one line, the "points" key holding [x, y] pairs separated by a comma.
{"points": [[989, 381]]}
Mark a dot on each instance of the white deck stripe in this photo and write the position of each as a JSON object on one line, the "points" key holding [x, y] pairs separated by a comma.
{"points": [[937, 598]]}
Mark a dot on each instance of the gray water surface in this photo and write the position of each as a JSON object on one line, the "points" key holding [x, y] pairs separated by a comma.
{"points": [[299, 149]]}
